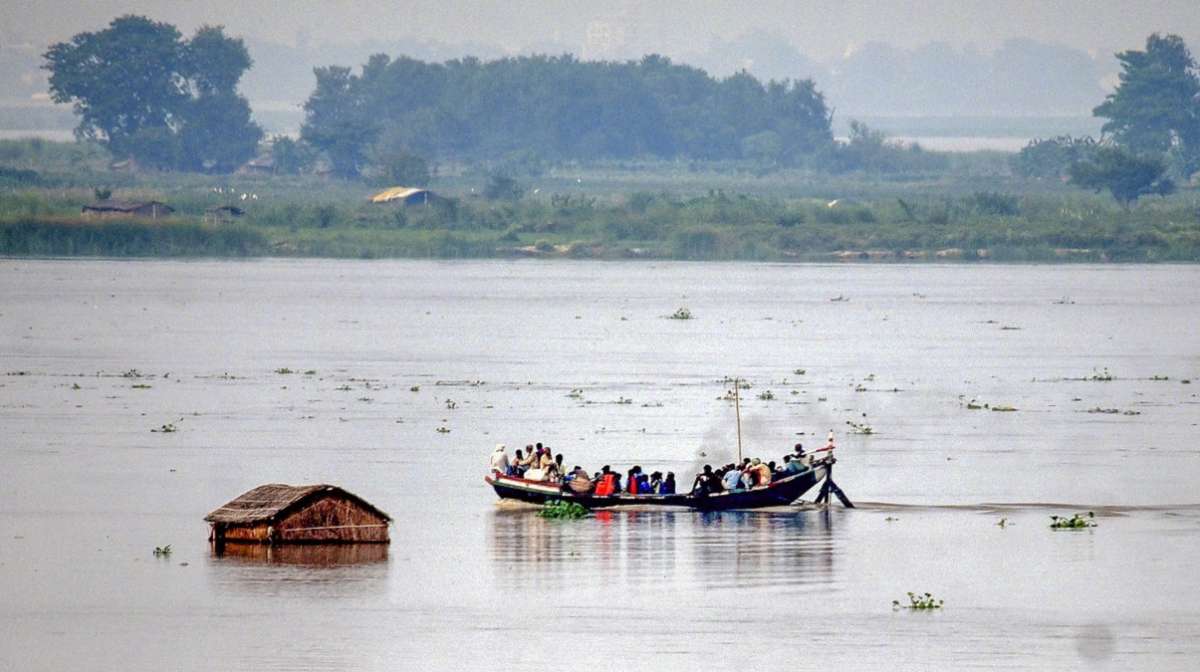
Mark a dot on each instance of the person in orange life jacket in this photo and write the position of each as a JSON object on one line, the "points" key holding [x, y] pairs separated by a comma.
{"points": [[609, 482]]}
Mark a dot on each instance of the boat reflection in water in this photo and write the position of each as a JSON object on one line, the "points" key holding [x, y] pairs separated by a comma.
{"points": [[313, 555], [686, 548]]}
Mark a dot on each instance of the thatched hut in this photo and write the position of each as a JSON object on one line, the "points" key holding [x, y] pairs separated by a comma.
{"points": [[288, 514]]}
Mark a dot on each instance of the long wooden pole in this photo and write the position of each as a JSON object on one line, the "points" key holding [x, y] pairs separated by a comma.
{"points": [[737, 409]]}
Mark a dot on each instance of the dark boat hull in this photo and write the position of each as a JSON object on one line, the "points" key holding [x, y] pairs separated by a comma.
{"points": [[779, 493]]}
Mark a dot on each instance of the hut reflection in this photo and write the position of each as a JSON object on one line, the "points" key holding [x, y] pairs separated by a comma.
{"points": [[311, 555]]}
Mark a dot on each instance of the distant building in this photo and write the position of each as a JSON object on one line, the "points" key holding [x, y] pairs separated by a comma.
{"points": [[261, 165], [110, 208], [223, 213], [405, 196]]}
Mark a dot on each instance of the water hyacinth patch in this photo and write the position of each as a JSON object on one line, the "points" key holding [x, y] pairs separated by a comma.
{"points": [[919, 602], [1076, 522], [563, 510]]}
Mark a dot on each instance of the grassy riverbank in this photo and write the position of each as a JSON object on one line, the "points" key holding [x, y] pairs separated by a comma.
{"points": [[971, 210]]}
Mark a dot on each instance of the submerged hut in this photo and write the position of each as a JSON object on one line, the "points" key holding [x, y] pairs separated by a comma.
{"points": [[288, 514]]}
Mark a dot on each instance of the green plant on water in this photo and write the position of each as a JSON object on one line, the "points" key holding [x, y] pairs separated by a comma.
{"points": [[919, 602], [415, 388], [972, 406], [140, 386], [75, 386], [681, 314], [799, 372], [283, 371], [562, 510], [343, 388], [1077, 521], [451, 404], [1003, 523], [443, 430], [766, 395], [860, 427], [1004, 409], [575, 394], [166, 429], [1101, 376], [624, 401], [132, 373], [310, 372], [1160, 377], [162, 551]]}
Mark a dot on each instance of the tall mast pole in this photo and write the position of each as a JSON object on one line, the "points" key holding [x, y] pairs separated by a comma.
{"points": [[737, 409]]}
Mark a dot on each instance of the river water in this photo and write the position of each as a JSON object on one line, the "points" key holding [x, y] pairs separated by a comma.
{"points": [[97, 354]]}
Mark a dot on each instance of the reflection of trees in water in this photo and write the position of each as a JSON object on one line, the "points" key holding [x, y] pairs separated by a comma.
{"points": [[638, 547]]}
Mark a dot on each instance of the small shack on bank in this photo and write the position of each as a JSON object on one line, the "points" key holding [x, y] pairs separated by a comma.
{"points": [[110, 208], [223, 214], [404, 196], [290, 514]]}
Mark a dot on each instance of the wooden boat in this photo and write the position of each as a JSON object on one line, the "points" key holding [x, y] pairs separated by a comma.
{"points": [[777, 493]]}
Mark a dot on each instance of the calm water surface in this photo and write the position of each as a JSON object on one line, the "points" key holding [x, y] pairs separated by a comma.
{"points": [[490, 351]]}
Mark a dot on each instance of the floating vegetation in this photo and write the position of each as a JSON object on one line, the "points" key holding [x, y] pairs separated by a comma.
{"points": [[623, 401], [310, 372], [560, 510], [891, 519], [860, 388], [1075, 522], [1101, 376], [1004, 409], [766, 395], [575, 393], [1003, 523], [1185, 381], [1160, 377], [343, 388], [451, 404], [921, 602], [415, 388], [681, 314], [656, 404], [75, 386], [283, 371], [799, 372], [1009, 328], [1065, 301], [840, 298], [132, 373], [162, 551], [166, 429], [860, 427], [1112, 411], [139, 386], [972, 406], [443, 430], [366, 399]]}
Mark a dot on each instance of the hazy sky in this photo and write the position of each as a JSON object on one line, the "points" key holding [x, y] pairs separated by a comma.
{"points": [[820, 28]]}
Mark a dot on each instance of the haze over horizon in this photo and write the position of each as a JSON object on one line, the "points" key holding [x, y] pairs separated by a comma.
{"points": [[943, 57]]}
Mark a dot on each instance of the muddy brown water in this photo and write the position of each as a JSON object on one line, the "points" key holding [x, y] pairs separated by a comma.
{"points": [[94, 355]]}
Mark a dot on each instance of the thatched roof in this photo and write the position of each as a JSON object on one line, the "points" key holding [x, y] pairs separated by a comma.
{"points": [[270, 502]]}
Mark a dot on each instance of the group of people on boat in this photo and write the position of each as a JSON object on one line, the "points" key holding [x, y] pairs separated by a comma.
{"points": [[539, 463], [750, 473]]}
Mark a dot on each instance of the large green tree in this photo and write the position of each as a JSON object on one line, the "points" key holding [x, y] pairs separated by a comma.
{"points": [[1156, 106], [1125, 175], [145, 92]]}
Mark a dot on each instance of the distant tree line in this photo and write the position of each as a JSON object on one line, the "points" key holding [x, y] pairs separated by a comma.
{"points": [[1151, 136], [560, 108], [146, 93]]}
